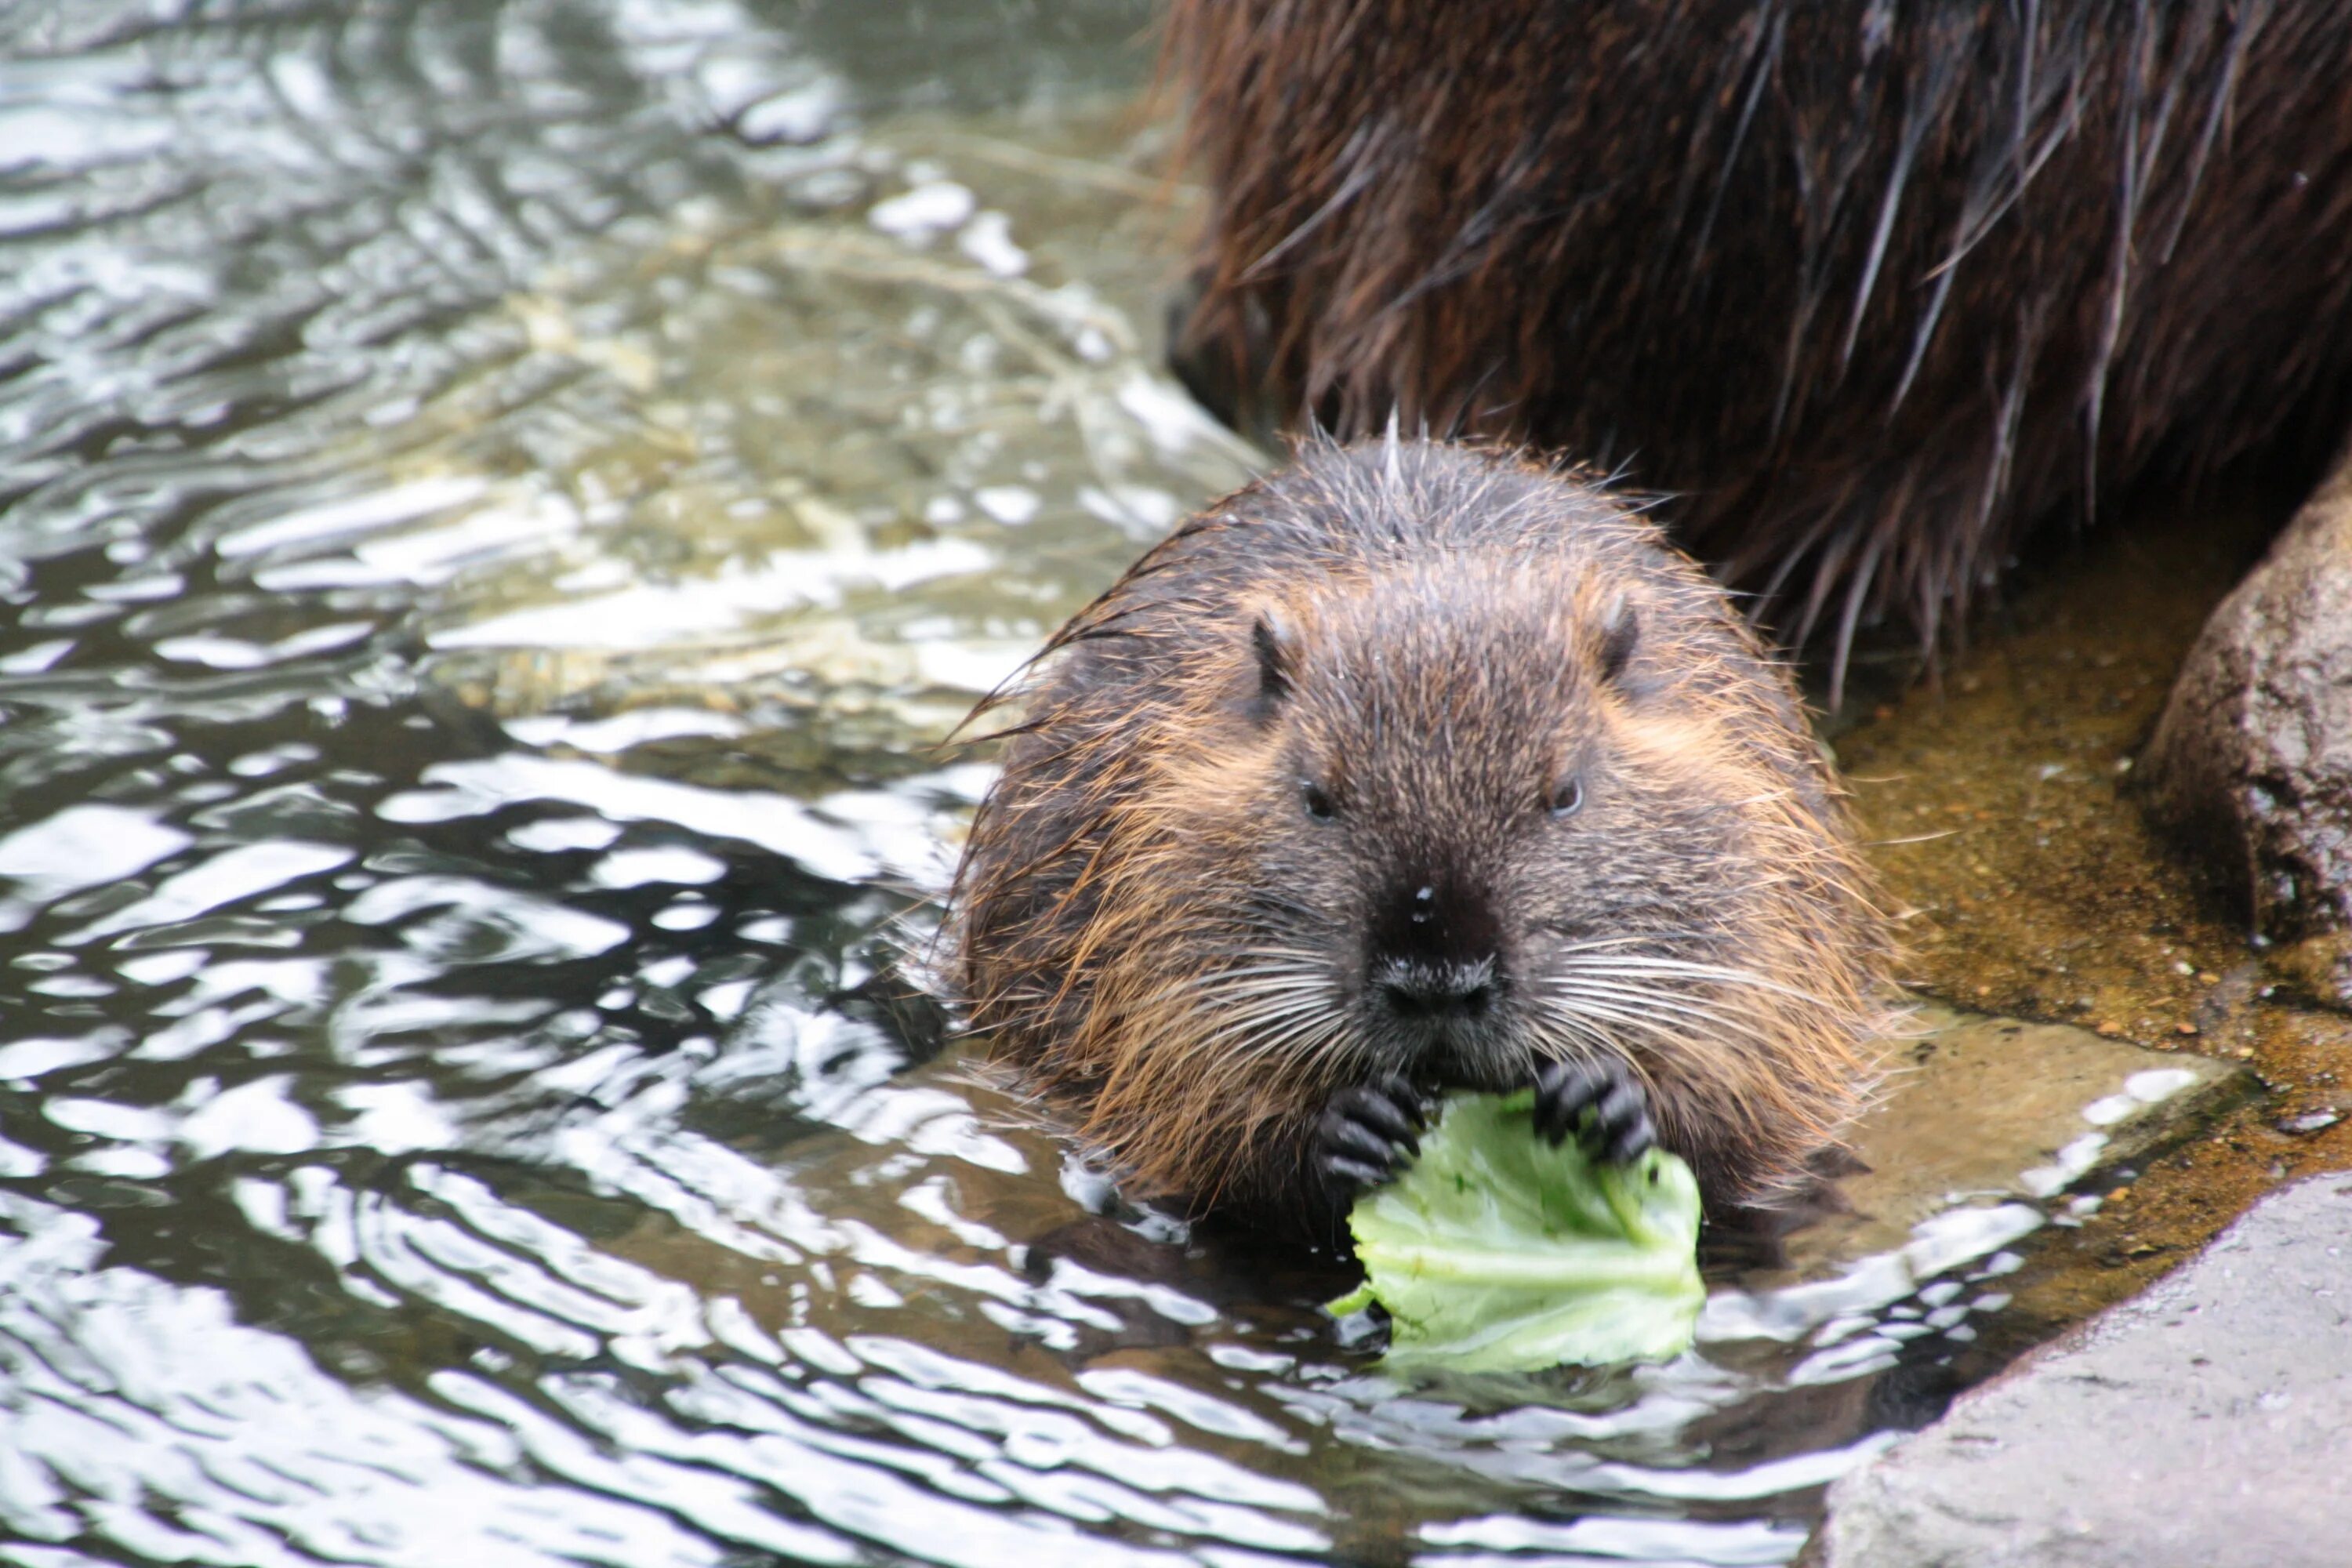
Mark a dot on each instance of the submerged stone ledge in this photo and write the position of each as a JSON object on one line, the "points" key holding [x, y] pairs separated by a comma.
{"points": [[1979, 1108]]}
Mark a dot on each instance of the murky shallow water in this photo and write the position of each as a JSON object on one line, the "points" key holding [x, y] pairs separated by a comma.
{"points": [[500, 504]]}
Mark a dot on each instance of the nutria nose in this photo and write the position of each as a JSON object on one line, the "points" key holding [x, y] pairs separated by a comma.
{"points": [[1425, 990], [1433, 946]]}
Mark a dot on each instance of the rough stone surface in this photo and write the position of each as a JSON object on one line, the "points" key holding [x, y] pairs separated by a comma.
{"points": [[2252, 761], [2206, 1423], [2317, 969]]}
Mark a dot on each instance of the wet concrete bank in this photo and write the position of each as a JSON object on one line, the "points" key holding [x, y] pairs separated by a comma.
{"points": [[2202, 1423]]}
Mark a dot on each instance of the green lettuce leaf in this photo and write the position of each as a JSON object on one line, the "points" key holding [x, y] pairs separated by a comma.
{"points": [[1496, 1252]]}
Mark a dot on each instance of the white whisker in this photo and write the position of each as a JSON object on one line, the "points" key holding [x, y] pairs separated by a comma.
{"points": [[1676, 1006], [1631, 966], [1625, 991], [1653, 1027]]}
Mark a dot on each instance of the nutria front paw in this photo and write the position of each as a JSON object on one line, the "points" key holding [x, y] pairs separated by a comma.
{"points": [[1368, 1134], [1619, 1126]]}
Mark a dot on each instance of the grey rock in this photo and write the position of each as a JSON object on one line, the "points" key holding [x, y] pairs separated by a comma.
{"points": [[2206, 1423], [2252, 761], [2316, 969]]}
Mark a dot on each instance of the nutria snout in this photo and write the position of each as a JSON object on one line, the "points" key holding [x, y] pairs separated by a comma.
{"points": [[1415, 767]]}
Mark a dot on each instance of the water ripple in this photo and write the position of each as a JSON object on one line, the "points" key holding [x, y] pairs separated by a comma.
{"points": [[502, 503]]}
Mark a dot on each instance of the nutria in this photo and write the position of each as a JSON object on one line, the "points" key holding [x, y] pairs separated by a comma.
{"points": [[1872, 289], [1414, 766]]}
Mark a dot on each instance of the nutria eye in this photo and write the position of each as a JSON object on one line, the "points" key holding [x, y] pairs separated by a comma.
{"points": [[1567, 797], [1317, 804]]}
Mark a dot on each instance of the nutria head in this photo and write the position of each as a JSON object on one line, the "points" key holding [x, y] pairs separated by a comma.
{"points": [[1416, 761], [1448, 824]]}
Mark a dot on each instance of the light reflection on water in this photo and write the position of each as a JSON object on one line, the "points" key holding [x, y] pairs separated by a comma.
{"points": [[500, 503]]}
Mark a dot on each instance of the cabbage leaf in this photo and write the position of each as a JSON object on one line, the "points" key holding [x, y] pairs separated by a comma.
{"points": [[1496, 1251]]}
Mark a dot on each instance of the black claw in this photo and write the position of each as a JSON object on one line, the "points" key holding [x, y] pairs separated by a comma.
{"points": [[1356, 1173], [1562, 1091], [1393, 1110], [1349, 1137], [1368, 1134], [1602, 1102], [1629, 1143], [1618, 1113]]}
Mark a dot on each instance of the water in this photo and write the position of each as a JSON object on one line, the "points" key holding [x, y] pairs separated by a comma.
{"points": [[502, 502]]}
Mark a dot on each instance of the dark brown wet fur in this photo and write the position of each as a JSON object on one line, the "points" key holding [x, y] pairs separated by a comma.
{"points": [[1872, 287], [1405, 681]]}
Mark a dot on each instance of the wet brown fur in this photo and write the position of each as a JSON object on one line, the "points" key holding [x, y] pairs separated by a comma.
{"points": [[1872, 287], [1142, 873]]}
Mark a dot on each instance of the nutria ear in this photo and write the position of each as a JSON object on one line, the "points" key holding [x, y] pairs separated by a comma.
{"points": [[1620, 628], [1271, 639]]}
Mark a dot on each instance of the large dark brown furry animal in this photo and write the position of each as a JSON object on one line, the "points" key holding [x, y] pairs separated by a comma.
{"points": [[1414, 766], [1874, 286]]}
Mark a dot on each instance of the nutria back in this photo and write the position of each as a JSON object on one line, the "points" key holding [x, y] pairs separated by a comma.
{"points": [[1408, 730], [1873, 287]]}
